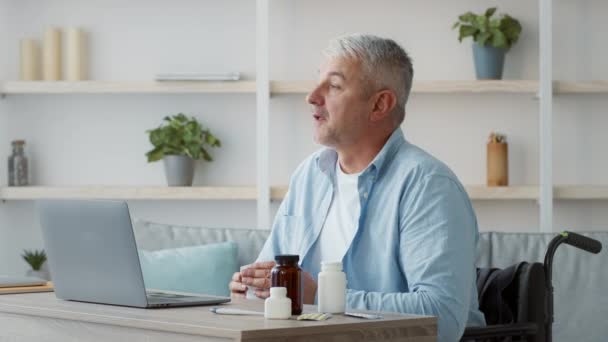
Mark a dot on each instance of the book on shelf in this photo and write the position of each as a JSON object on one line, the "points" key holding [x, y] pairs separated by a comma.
{"points": [[14, 284], [198, 76], [27, 289]]}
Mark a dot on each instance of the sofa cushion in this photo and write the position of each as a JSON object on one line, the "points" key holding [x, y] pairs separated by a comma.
{"points": [[580, 279], [203, 269], [152, 236]]}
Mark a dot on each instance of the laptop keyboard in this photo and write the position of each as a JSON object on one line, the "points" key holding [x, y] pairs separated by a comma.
{"points": [[166, 295], [163, 298], [155, 298]]}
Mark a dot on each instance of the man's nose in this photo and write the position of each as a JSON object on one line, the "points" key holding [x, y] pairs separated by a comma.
{"points": [[314, 97]]}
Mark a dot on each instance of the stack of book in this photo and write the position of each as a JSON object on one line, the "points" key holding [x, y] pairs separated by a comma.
{"points": [[12, 284]]}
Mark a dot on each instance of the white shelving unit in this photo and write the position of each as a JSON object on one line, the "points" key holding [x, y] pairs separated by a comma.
{"points": [[545, 63], [264, 88]]}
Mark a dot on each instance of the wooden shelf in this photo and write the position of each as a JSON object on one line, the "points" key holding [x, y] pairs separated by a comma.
{"points": [[278, 192], [476, 192], [286, 87], [482, 192], [583, 87], [525, 192], [128, 193], [428, 87], [581, 192], [125, 87], [208, 193], [467, 87]]}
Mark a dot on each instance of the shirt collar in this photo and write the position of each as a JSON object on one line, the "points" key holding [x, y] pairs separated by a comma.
{"points": [[327, 158]]}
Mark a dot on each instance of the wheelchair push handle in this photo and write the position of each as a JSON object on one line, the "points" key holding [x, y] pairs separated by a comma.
{"points": [[579, 241]]}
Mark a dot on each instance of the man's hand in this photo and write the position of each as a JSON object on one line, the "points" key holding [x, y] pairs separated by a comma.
{"points": [[310, 288], [258, 275], [237, 289]]}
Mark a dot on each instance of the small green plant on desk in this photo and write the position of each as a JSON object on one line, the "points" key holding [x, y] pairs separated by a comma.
{"points": [[34, 258]]}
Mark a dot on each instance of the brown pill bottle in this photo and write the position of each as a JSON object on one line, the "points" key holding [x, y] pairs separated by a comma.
{"points": [[286, 273]]}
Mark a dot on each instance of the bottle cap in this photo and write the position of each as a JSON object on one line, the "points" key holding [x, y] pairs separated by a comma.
{"points": [[287, 258], [18, 142], [278, 292]]}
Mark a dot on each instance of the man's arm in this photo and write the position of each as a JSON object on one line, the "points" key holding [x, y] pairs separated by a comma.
{"points": [[438, 234], [258, 274]]}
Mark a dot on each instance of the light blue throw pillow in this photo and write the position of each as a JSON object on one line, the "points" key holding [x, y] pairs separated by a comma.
{"points": [[205, 269]]}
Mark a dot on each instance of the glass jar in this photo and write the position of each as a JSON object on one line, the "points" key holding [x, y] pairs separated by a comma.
{"points": [[286, 273], [17, 165]]}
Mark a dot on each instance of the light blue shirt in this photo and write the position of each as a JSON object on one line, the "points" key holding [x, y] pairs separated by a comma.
{"points": [[414, 250]]}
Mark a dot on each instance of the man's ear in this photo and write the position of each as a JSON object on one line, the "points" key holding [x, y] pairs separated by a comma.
{"points": [[384, 103]]}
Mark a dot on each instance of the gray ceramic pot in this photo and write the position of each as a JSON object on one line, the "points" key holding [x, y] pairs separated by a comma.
{"points": [[179, 170], [489, 62]]}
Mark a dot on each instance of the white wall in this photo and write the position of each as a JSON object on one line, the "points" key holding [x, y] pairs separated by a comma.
{"points": [[100, 139]]}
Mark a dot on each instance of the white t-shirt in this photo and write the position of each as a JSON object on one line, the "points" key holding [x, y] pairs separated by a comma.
{"points": [[342, 219]]}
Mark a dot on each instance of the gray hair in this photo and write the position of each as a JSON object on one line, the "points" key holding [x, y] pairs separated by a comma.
{"points": [[385, 64]]}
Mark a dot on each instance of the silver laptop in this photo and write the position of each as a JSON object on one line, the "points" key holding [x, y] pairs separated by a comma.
{"points": [[93, 256]]}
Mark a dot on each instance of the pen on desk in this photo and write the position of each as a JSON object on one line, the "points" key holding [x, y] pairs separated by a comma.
{"points": [[229, 311], [363, 315]]}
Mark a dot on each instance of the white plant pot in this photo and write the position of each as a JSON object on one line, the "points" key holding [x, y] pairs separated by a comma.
{"points": [[39, 274]]}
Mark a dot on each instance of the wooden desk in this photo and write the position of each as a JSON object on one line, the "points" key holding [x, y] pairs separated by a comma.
{"points": [[41, 317]]}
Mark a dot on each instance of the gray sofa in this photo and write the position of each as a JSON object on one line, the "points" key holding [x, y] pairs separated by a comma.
{"points": [[580, 280]]}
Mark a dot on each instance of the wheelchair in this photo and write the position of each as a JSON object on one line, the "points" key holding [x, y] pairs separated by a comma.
{"points": [[518, 301]]}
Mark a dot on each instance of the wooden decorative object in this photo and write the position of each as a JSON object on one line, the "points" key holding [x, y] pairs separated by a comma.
{"points": [[497, 164]]}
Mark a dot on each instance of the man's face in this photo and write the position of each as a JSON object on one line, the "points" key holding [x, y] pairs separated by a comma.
{"points": [[340, 105]]}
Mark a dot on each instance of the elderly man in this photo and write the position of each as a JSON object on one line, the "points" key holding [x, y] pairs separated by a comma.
{"points": [[398, 219]]}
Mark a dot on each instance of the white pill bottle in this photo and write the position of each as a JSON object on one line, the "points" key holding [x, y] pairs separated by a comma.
{"points": [[332, 288], [278, 305]]}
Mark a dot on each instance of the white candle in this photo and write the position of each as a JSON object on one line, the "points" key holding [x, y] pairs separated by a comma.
{"points": [[76, 55], [51, 51], [30, 60]]}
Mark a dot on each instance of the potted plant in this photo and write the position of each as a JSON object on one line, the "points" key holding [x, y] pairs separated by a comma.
{"points": [[36, 259], [494, 37], [179, 141]]}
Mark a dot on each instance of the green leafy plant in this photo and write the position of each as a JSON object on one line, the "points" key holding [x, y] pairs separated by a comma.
{"points": [[181, 135], [34, 258], [501, 32]]}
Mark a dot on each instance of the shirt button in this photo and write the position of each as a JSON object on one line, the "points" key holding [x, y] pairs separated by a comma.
{"points": [[365, 195]]}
